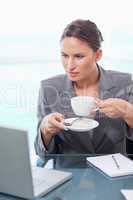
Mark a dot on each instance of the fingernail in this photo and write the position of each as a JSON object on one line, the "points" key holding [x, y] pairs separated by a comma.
{"points": [[65, 128]]}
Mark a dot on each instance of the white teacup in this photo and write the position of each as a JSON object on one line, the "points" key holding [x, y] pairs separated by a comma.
{"points": [[83, 105]]}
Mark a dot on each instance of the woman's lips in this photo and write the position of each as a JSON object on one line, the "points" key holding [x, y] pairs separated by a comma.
{"points": [[73, 73]]}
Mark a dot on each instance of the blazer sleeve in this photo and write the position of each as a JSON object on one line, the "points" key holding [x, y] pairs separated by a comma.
{"points": [[130, 99], [43, 110]]}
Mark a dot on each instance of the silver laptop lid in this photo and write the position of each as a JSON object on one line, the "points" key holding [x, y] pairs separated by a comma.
{"points": [[15, 167]]}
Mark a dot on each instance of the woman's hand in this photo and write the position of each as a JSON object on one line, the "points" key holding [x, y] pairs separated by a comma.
{"points": [[52, 123], [113, 107]]}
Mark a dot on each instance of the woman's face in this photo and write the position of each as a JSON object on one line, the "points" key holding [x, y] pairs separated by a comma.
{"points": [[79, 60]]}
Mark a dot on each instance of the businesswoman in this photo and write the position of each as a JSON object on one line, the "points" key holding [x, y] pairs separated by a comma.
{"points": [[80, 52]]}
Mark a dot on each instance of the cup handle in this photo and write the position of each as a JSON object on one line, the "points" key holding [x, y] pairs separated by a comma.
{"points": [[95, 109]]}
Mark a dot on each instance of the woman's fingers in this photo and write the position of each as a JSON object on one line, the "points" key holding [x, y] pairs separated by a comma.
{"points": [[56, 124], [54, 121], [113, 107]]}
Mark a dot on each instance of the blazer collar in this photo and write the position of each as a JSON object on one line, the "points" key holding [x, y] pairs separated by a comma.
{"points": [[105, 82], [68, 87]]}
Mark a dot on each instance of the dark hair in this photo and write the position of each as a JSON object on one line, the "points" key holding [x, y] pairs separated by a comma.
{"points": [[84, 30]]}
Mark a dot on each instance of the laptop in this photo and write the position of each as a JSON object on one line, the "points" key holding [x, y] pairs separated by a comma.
{"points": [[17, 177]]}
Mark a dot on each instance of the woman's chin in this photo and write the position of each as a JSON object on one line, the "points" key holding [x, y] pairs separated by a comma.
{"points": [[72, 78]]}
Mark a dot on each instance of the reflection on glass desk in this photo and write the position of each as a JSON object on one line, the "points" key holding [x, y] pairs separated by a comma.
{"points": [[87, 182]]}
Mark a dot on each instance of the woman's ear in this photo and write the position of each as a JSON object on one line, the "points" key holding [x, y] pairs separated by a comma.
{"points": [[98, 55]]}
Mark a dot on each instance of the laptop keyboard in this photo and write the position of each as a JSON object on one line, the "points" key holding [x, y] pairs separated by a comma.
{"points": [[37, 180]]}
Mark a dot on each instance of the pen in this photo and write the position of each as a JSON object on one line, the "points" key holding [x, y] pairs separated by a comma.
{"points": [[115, 161]]}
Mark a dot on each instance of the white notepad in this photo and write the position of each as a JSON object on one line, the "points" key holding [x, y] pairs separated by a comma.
{"points": [[115, 166], [128, 194]]}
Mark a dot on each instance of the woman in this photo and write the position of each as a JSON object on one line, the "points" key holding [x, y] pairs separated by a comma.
{"points": [[80, 53]]}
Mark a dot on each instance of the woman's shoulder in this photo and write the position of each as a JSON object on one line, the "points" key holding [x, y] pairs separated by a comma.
{"points": [[118, 73], [55, 80], [118, 76]]}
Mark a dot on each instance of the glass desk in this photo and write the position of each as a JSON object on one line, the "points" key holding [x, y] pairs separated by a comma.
{"points": [[86, 183]]}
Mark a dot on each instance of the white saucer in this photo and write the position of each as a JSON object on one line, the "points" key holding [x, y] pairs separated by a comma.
{"points": [[81, 125]]}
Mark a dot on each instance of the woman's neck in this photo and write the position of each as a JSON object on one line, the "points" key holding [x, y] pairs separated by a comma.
{"points": [[89, 82]]}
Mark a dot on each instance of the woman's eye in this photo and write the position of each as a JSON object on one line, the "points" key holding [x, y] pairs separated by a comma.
{"points": [[79, 56], [64, 55]]}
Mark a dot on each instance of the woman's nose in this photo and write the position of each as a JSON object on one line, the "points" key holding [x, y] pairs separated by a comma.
{"points": [[71, 64]]}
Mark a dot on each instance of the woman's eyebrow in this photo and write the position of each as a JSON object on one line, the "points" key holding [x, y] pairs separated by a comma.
{"points": [[63, 52], [78, 53]]}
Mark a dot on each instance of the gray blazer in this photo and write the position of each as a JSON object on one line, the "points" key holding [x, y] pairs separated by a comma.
{"points": [[109, 137]]}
